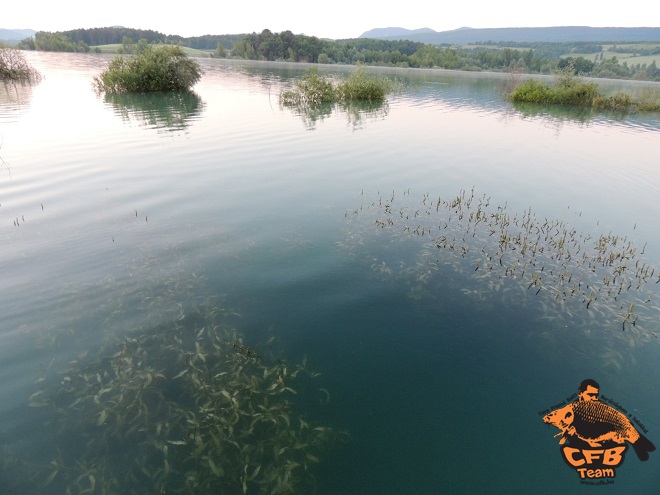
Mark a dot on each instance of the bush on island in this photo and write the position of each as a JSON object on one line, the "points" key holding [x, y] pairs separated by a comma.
{"points": [[570, 90], [361, 86], [14, 67], [567, 90], [312, 89], [156, 68]]}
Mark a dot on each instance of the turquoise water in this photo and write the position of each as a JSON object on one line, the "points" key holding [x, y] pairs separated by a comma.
{"points": [[148, 217]]}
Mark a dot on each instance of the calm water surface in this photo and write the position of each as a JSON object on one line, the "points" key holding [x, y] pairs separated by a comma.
{"points": [[344, 236]]}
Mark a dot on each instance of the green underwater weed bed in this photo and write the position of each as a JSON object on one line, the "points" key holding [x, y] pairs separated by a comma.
{"points": [[568, 89], [464, 249], [183, 407]]}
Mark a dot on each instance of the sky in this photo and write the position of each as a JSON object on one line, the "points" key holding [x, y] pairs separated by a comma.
{"points": [[337, 19]]}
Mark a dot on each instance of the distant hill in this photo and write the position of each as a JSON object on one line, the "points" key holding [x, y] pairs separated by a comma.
{"points": [[16, 34], [523, 34], [390, 32]]}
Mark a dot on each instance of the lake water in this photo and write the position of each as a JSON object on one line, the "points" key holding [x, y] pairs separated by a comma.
{"points": [[451, 265]]}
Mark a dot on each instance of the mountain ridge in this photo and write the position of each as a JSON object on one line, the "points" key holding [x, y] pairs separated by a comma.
{"points": [[465, 35], [16, 34]]}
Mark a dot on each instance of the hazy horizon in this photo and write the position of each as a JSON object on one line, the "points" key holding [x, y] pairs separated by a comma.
{"points": [[365, 31], [344, 20]]}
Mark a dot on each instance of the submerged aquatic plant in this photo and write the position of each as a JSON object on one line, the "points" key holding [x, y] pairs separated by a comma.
{"points": [[513, 258], [186, 407]]}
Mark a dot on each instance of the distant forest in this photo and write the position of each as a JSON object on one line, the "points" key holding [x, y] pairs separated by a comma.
{"points": [[526, 57], [81, 40]]}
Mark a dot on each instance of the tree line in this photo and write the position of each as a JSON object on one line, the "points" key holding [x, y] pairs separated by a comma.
{"points": [[81, 40], [541, 58], [526, 58]]}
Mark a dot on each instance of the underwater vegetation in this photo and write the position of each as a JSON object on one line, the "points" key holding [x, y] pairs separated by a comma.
{"points": [[599, 284], [183, 407]]}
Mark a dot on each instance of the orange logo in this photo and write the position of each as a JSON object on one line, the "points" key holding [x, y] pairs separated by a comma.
{"points": [[595, 435]]}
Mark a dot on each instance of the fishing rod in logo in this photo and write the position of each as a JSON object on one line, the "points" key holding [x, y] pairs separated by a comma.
{"points": [[595, 436]]}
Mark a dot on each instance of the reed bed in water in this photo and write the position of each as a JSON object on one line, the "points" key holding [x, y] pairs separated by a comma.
{"points": [[184, 407], [576, 279]]}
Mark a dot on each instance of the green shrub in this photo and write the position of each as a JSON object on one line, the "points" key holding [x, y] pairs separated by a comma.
{"points": [[531, 91], [313, 89], [570, 90], [566, 90], [361, 86], [157, 68], [619, 102], [649, 100], [14, 67]]}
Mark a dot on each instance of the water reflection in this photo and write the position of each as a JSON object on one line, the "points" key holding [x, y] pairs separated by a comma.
{"points": [[357, 113], [170, 111], [559, 115], [14, 95], [562, 113]]}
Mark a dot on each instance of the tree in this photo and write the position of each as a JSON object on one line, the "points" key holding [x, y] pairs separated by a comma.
{"points": [[243, 49], [142, 45], [220, 51], [127, 45], [580, 65], [58, 42], [26, 44]]}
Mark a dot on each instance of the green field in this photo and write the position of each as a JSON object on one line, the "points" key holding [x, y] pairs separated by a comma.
{"points": [[631, 55], [192, 52]]}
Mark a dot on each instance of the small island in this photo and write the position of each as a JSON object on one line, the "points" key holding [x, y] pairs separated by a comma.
{"points": [[155, 68]]}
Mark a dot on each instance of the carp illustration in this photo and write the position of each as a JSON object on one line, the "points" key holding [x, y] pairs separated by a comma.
{"points": [[595, 422]]}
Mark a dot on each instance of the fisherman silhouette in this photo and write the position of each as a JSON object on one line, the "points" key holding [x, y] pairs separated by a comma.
{"points": [[588, 390]]}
